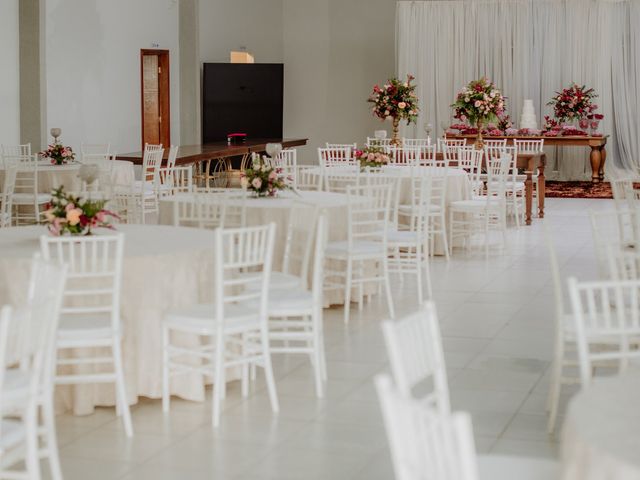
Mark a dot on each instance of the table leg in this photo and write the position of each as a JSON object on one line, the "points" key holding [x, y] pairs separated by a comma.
{"points": [[596, 160], [541, 190], [528, 190], [603, 159]]}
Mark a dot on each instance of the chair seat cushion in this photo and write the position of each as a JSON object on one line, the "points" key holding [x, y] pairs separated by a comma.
{"points": [[279, 281], [341, 249], [13, 434], [74, 328], [287, 302], [200, 318], [401, 237]]}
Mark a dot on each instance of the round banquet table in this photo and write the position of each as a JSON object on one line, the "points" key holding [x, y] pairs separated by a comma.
{"points": [[53, 176], [265, 210], [458, 185], [601, 433], [164, 267]]}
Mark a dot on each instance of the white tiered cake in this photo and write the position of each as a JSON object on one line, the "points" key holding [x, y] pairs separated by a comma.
{"points": [[528, 117]]}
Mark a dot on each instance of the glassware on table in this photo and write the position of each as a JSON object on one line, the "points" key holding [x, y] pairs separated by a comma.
{"points": [[427, 129], [594, 124], [583, 123]]}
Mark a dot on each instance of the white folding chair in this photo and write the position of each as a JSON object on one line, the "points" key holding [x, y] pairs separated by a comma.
{"points": [[368, 221], [91, 311], [27, 200], [295, 324], [146, 190], [529, 147], [287, 161], [234, 327], [607, 323], [426, 445], [416, 358], [201, 210], [308, 178], [336, 157], [405, 156], [167, 174]]}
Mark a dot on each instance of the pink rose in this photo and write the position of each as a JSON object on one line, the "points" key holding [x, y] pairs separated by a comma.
{"points": [[401, 105], [256, 183], [273, 175], [69, 207]]}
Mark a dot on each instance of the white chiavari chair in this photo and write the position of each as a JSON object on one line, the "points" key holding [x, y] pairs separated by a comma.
{"points": [[6, 194], [146, 190], [95, 153], [167, 174], [308, 178], [606, 314], [235, 200], [416, 358], [429, 157], [449, 148], [27, 201], [295, 324], [426, 445], [493, 143], [564, 339], [529, 147], [515, 189], [485, 212], [378, 142], [234, 327], [339, 179], [437, 209], [408, 241], [287, 161], [91, 311], [200, 210], [619, 228], [416, 142], [470, 159], [15, 150], [34, 357], [368, 221], [405, 156], [336, 157]]}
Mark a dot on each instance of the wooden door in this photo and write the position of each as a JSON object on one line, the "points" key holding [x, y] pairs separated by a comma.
{"points": [[156, 119]]}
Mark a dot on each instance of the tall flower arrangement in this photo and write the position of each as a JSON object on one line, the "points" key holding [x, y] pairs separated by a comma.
{"points": [[573, 103], [396, 100]]}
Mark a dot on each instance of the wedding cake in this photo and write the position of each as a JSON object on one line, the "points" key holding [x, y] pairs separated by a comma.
{"points": [[528, 117]]}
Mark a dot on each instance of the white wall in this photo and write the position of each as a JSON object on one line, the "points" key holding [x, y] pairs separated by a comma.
{"points": [[9, 74], [333, 51], [93, 67]]}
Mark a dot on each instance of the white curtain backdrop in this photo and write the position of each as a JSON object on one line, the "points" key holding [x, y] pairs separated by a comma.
{"points": [[530, 49]]}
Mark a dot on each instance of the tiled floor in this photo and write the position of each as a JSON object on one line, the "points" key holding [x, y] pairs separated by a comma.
{"points": [[497, 324]]}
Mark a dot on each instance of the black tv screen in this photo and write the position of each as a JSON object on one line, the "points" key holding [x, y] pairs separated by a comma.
{"points": [[242, 98]]}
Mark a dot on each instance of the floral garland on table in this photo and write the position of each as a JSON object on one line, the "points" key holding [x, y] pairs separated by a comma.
{"points": [[263, 179], [372, 157], [59, 154], [573, 103], [397, 100], [69, 214], [478, 103]]}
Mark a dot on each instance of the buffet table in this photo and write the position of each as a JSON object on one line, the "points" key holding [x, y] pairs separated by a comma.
{"points": [[598, 155]]}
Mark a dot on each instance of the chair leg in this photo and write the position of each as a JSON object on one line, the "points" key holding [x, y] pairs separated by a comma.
{"points": [[245, 368], [443, 234], [166, 391], [121, 392], [554, 384], [387, 287], [268, 371], [218, 357], [347, 290], [32, 458], [317, 355], [49, 421], [418, 267]]}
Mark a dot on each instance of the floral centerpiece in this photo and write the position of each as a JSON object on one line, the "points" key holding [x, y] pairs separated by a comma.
{"points": [[573, 103], [263, 179], [59, 154], [372, 157], [73, 215], [396, 100], [478, 103]]}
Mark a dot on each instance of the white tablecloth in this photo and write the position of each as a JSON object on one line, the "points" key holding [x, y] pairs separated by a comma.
{"points": [[261, 211], [601, 433], [164, 267], [53, 176]]}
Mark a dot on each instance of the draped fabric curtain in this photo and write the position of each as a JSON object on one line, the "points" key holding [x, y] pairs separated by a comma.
{"points": [[530, 49]]}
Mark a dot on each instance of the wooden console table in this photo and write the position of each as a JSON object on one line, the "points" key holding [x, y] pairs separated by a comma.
{"points": [[217, 155], [597, 145]]}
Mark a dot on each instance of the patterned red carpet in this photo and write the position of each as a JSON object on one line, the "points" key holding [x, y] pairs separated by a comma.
{"points": [[578, 190]]}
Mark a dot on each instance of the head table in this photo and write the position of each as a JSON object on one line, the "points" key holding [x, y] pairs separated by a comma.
{"points": [[164, 267]]}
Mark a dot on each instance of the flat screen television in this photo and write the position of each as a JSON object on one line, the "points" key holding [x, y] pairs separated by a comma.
{"points": [[244, 98]]}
